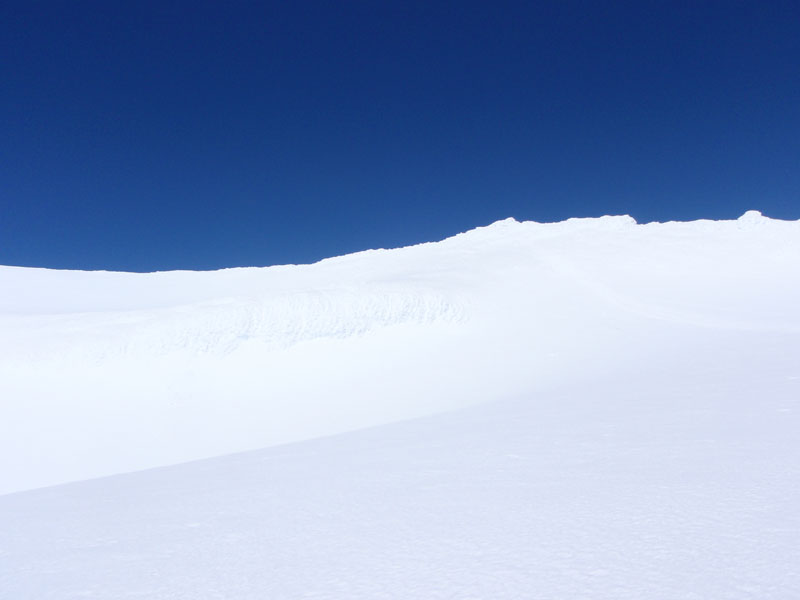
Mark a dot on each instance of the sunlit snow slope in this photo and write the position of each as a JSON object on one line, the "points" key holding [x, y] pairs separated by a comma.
{"points": [[605, 410], [103, 373]]}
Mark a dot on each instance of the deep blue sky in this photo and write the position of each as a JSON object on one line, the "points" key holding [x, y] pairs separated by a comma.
{"points": [[148, 136]]}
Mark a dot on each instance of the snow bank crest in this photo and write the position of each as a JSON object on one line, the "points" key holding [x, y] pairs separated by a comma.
{"points": [[752, 218]]}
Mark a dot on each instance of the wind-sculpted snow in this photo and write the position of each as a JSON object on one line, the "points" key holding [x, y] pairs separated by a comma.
{"points": [[276, 321]]}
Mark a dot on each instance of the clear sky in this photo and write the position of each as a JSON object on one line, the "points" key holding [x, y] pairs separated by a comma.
{"points": [[159, 135]]}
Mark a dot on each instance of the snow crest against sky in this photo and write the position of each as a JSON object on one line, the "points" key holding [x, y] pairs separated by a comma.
{"points": [[159, 135], [105, 372]]}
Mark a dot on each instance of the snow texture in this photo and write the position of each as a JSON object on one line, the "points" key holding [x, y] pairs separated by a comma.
{"points": [[586, 409]]}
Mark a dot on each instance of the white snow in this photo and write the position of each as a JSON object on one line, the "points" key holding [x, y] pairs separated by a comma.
{"points": [[586, 409]]}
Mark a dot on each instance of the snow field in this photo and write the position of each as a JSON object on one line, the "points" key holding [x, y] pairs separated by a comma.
{"points": [[588, 409]]}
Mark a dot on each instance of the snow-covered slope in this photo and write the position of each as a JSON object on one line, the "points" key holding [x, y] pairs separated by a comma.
{"points": [[618, 408], [102, 372], [677, 480]]}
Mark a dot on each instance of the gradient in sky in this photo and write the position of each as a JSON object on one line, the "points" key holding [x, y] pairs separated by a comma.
{"points": [[197, 135]]}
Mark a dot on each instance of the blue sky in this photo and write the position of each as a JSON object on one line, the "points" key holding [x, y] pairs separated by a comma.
{"points": [[197, 135]]}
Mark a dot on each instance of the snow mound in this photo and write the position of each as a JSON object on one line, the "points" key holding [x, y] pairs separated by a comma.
{"points": [[751, 216]]}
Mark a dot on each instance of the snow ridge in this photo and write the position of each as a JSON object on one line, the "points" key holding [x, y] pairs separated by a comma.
{"points": [[259, 356]]}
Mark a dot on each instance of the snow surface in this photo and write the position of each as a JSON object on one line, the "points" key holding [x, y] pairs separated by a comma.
{"points": [[586, 409]]}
